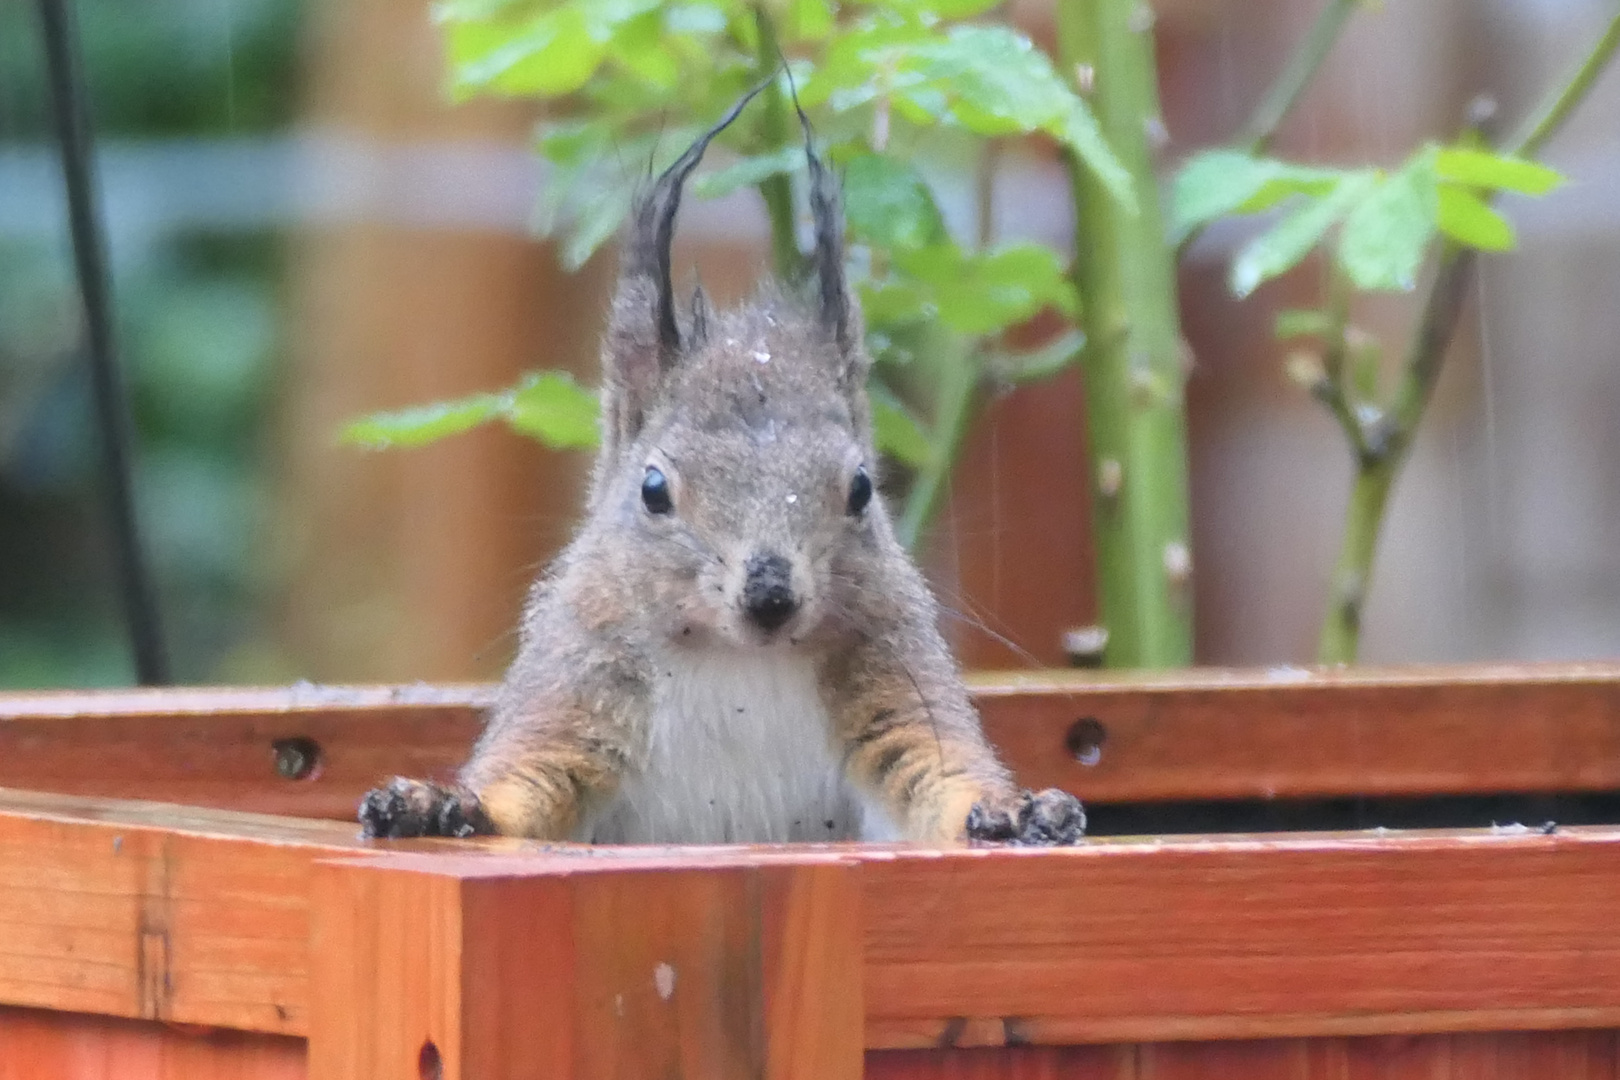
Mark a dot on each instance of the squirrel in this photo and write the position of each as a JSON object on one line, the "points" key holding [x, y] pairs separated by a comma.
{"points": [[734, 648]]}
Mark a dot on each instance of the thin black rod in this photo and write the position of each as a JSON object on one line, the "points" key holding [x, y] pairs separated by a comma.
{"points": [[72, 109]]}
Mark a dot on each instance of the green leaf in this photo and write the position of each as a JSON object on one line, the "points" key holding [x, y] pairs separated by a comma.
{"points": [[1386, 233], [749, 171], [421, 424], [887, 203], [1468, 219], [807, 20], [554, 409], [896, 431], [890, 302], [553, 53], [982, 293], [994, 81], [1303, 323], [596, 221], [1220, 182], [1497, 172], [1281, 247]]}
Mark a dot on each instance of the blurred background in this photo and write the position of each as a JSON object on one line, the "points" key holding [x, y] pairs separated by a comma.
{"points": [[302, 229]]}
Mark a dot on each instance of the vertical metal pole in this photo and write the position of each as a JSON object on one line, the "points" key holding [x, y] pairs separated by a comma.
{"points": [[72, 108]]}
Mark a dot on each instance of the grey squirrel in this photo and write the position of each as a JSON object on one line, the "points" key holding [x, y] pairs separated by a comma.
{"points": [[734, 647]]}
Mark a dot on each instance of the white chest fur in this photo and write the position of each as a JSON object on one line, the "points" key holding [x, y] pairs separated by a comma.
{"points": [[739, 751]]}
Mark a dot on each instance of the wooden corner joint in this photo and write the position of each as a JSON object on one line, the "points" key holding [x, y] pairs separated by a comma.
{"points": [[496, 968]]}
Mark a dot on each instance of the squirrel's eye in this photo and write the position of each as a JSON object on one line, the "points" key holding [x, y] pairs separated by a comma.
{"points": [[655, 492], [860, 491]]}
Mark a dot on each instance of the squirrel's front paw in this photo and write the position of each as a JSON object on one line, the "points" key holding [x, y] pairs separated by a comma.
{"points": [[1049, 818], [405, 808]]}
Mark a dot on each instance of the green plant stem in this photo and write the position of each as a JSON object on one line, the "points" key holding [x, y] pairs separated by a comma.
{"points": [[1295, 76], [1387, 445], [1133, 356], [777, 190], [1551, 116], [956, 400]]}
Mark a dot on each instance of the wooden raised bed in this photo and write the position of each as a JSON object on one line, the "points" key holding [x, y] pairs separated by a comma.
{"points": [[211, 939]]}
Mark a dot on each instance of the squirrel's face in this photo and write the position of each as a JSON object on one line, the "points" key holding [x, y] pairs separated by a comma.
{"points": [[752, 483]]}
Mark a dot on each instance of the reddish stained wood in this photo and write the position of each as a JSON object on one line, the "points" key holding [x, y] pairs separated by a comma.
{"points": [[1204, 734], [159, 912], [43, 1045], [502, 967], [1115, 941]]}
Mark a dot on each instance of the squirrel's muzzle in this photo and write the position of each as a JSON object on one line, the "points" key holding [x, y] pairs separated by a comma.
{"points": [[767, 594]]}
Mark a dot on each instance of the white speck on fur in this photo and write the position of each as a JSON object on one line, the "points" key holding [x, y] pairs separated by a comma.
{"points": [[740, 751], [762, 357], [793, 497], [664, 980]]}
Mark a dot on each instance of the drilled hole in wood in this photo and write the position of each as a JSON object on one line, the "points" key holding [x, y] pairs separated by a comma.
{"points": [[1085, 740], [429, 1066], [296, 759]]}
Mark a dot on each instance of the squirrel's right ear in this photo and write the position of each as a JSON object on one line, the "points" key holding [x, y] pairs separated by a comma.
{"points": [[643, 339]]}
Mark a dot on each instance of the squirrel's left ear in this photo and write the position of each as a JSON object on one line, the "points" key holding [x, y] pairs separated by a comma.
{"points": [[837, 309]]}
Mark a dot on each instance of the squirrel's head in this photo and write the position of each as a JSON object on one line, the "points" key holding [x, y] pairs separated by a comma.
{"points": [[737, 464]]}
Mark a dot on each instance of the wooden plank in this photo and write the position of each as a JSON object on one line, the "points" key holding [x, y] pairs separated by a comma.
{"points": [[158, 912], [1244, 938], [1205, 734], [1114, 941], [502, 968], [37, 1044]]}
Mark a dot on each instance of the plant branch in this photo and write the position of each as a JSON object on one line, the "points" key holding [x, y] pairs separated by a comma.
{"points": [[1546, 121], [777, 190], [1386, 449], [1330, 390], [958, 394], [1132, 360], [1302, 66]]}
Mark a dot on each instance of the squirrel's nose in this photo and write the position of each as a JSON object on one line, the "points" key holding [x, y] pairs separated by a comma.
{"points": [[768, 591]]}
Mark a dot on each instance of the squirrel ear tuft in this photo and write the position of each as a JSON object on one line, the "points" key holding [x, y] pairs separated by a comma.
{"points": [[836, 306], [643, 339]]}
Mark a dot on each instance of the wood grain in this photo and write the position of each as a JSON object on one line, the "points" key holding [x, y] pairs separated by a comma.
{"points": [[1244, 938], [504, 968], [1203, 734], [1115, 941], [200, 919], [37, 1044]]}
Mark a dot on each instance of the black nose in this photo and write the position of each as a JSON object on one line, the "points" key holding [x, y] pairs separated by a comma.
{"points": [[768, 591]]}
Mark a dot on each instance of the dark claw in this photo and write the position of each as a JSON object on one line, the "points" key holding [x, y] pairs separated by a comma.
{"points": [[408, 808], [1049, 818]]}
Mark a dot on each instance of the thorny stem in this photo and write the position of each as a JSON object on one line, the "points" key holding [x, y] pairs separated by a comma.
{"points": [[1133, 359], [1295, 76], [777, 190], [1378, 466]]}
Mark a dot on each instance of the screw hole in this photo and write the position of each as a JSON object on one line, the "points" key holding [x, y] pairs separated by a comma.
{"points": [[429, 1066], [296, 759], [1085, 740]]}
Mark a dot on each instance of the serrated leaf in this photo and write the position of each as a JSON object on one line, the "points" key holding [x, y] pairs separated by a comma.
{"points": [[1296, 322], [1216, 183], [1468, 219], [421, 424], [1497, 172], [1281, 247], [896, 431], [554, 409], [985, 292], [748, 171], [1387, 231], [887, 203]]}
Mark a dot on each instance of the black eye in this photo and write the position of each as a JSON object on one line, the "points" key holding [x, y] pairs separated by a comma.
{"points": [[655, 492], [860, 491]]}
